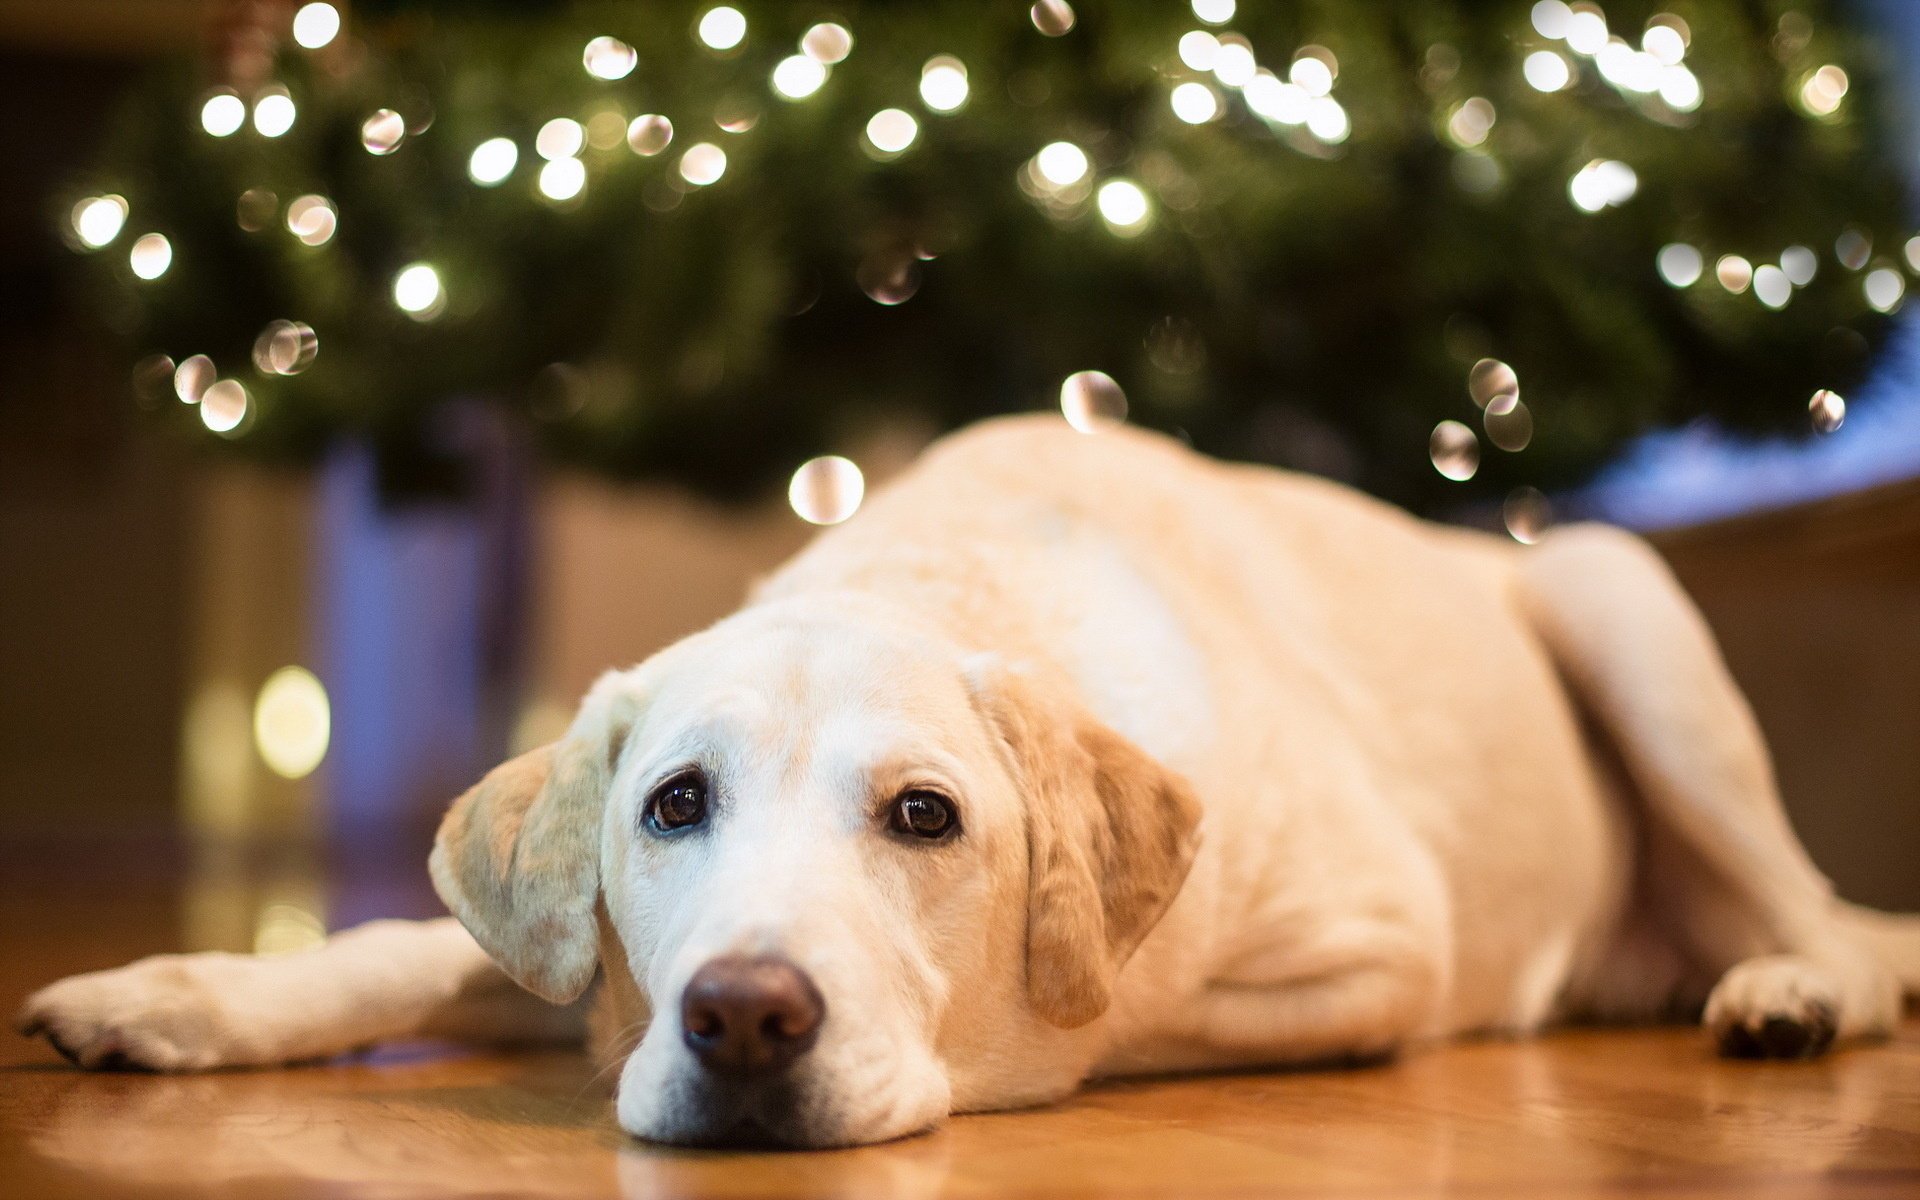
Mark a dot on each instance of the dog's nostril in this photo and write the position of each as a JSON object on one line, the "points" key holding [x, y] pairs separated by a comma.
{"points": [[745, 1015]]}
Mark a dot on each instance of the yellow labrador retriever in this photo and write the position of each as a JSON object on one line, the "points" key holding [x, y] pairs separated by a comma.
{"points": [[1082, 755]]}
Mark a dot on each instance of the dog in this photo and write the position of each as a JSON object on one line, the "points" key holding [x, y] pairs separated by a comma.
{"points": [[1079, 755]]}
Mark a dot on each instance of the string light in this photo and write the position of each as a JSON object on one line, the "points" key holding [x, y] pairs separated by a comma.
{"points": [[1884, 288], [722, 28], [1061, 164], [1546, 71], [1587, 30], [1454, 451], [562, 137], [383, 132], [150, 256], [222, 113], [97, 220], [1054, 18], [1680, 89], [285, 348], [703, 164], [827, 43], [315, 25], [608, 58], [1214, 12], [292, 722], [1823, 90], [1471, 121], [1602, 183], [418, 292], [192, 378], [1826, 411], [1123, 206], [1852, 248], [1527, 515], [1679, 264], [492, 161], [890, 131], [1772, 287], [1552, 19], [562, 179], [1091, 399], [1734, 273], [1327, 120], [826, 490], [1269, 97], [1493, 385], [649, 134], [1800, 265], [224, 405], [1233, 62], [312, 219], [799, 76], [1198, 49], [1311, 74], [1195, 103], [273, 113], [943, 84]]}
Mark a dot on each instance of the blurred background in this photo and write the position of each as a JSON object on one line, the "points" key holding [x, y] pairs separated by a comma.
{"points": [[372, 376]]}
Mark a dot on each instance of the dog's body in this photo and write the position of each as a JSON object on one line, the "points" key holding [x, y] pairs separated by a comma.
{"points": [[1240, 767]]}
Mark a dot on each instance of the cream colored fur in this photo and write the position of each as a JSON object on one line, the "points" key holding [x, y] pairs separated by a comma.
{"points": [[1251, 770]]}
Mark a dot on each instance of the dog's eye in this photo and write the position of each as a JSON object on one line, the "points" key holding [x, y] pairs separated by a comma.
{"points": [[923, 815], [678, 803]]}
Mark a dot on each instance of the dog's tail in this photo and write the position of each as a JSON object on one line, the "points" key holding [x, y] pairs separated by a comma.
{"points": [[1893, 938]]}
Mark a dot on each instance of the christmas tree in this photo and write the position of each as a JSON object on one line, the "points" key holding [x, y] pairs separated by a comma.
{"points": [[1441, 249]]}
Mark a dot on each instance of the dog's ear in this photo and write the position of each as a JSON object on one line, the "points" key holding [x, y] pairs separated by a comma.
{"points": [[517, 858], [1110, 836]]}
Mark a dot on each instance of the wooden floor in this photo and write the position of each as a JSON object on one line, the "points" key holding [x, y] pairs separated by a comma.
{"points": [[1642, 1113]]}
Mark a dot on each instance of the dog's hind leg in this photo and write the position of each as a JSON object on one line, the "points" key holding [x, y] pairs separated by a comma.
{"points": [[382, 981], [1725, 873]]}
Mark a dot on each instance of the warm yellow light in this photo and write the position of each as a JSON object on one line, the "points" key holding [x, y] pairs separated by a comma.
{"points": [[273, 114], [223, 113], [1061, 164], [798, 76], [943, 83], [892, 130], [562, 178], [722, 28], [97, 220], [315, 25], [1123, 206], [418, 292], [1546, 71], [1194, 103], [292, 722]]}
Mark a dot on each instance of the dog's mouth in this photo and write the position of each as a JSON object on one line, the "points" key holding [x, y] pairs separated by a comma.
{"points": [[770, 1115]]}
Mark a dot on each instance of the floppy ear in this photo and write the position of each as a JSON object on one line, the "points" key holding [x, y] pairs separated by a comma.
{"points": [[517, 859], [1110, 835]]}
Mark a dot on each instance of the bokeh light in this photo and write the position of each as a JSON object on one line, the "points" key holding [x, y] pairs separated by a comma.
{"points": [[418, 292], [943, 84], [649, 134], [562, 137], [703, 164], [224, 405], [150, 255], [1054, 18], [312, 219], [1091, 399], [383, 132], [891, 130], [827, 490], [222, 113], [1123, 206], [722, 28], [273, 113], [1679, 264], [562, 178], [1826, 411], [608, 58], [97, 220], [1455, 451], [798, 76], [292, 722], [827, 43], [492, 161], [315, 25]]}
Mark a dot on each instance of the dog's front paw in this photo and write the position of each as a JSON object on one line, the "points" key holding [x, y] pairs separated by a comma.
{"points": [[159, 1014], [1781, 1006]]}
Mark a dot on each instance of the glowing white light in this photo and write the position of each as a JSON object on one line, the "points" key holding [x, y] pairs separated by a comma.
{"points": [[1552, 18], [223, 405], [1471, 122], [1455, 451], [314, 25], [1823, 90], [273, 114], [1287, 103], [1123, 206], [827, 43], [892, 130], [1327, 121], [1680, 88], [608, 58], [1587, 31], [417, 291], [1884, 288], [1679, 264], [1061, 163], [1602, 183], [798, 77], [649, 134], [192, 378], [312, 219], [1734, 273], [1091, 399], [703, 163], [292, 722], [1053, 18], [1311, 76], [1912, 253], [150, 256], [827, 490], [223, 114], [1233, 64], [383, 132], [1826, 410], [1198, 49], [561, 137], [1800, 264], [1664, 43], [1195, 103], [97, 220], [1546, 71], [722, 28], [492, 161], [1214, 12], [562, 178], [1772, 287], [943, 83], [1527, 515]]}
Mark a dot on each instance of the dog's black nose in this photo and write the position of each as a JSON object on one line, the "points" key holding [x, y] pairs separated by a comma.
{"points": [[750, 1016]]}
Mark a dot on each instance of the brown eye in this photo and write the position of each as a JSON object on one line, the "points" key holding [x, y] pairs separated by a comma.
{"points": [[923, 815], [679, 803]]}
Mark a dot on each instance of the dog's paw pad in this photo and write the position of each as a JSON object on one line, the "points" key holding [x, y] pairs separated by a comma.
{"points": [[149, 1016], [1774, 1008]]}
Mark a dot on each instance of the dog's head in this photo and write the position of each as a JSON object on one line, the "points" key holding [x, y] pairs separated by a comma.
{"points": [[858, 878]]}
